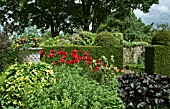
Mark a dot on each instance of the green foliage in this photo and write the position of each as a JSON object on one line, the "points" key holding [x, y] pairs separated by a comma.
{"points": [[81, 38], [132, 28], [105, 39], [38, 86], [7, 58], [157, 59], [87, 94], [50, 41], [27, 85], [74, 13], [161, 37], [94, 51]]}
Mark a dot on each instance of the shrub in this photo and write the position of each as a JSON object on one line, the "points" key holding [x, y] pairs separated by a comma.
{"points": [[27, 86], [161, 37], [30, 86], [82, 38], [144, 92], [50, 41], [105, 39]]}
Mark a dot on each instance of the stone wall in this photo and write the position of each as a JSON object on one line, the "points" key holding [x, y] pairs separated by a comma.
{"points": [[134, 55]]}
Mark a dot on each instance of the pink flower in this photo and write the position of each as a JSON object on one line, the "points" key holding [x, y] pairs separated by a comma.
{"points": [[50, 55], [92, 71], [52, 51]]}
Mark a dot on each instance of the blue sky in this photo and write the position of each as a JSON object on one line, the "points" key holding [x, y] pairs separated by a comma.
{"points": [[158, 13]]}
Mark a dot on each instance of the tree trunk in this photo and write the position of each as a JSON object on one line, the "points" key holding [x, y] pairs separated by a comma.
{"points": [[54, 29]]}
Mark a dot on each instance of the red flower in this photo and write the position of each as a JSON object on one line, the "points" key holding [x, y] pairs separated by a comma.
{"points": [[52, 51], [74, 56], [73, 51], [70, 62], [62, 60], [54, 63], [42, 53], [58, 53], [64, 57], [88, 58], [89, 62], [76, 61], [50, 55], [80, 51], [86, 54], [92, 71], [80, 57], [97, 68], [99, 62]]}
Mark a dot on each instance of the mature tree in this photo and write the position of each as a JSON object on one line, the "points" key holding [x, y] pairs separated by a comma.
{"points": [[94, 12], [61, 15], [132, 27], [44, 14]]}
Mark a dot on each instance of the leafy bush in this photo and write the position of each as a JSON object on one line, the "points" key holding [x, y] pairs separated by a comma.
{"points": [[30, 86], [27, 86], [144, 92], [161, 37], [86, 94], [50, 41], [105, 39], [82, 38]]}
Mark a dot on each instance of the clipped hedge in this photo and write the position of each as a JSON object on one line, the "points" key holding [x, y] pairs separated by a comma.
{"points": [[94, 51], [157, 59]]}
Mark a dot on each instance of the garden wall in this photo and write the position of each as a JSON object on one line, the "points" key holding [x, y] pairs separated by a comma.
{"points": [[157, 59], [134, 55]]}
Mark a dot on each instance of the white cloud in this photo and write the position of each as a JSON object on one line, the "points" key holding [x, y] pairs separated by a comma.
{"points": [[158, 13], [161, 8]]}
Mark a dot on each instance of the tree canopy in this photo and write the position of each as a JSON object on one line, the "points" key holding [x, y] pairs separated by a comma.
{"points": [[64, 15]]}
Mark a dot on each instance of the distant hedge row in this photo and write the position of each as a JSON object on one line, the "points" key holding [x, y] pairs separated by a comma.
{"points": [[157, 59], [94, 51]]}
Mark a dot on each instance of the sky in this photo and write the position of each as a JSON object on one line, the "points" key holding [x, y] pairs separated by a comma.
{"points": [[158, 13]]}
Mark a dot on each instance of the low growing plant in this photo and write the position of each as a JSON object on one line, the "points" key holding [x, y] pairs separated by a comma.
{"points": [[144, 92], [29, 86]]}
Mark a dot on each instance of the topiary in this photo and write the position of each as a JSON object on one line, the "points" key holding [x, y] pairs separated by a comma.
{"points": [[105, 39], [161, 37]]}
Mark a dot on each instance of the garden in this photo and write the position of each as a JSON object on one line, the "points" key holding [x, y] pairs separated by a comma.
{"points": [[51, 59], [87, 72]]}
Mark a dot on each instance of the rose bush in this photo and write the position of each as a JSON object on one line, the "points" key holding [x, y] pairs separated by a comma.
{"points": [[96, 69]]}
